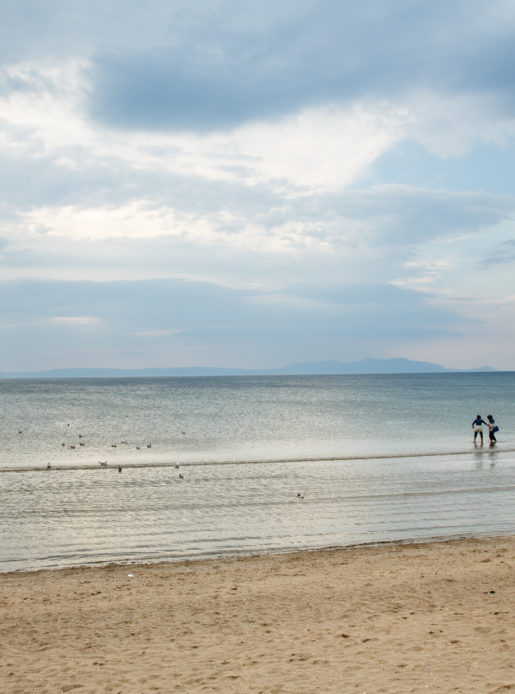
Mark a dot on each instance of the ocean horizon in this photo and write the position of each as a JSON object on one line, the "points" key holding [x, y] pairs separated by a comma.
{"points": [[362, 367]]}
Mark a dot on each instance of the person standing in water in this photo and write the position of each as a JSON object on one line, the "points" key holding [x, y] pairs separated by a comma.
{"points": [[492, 429], [477, 425]]}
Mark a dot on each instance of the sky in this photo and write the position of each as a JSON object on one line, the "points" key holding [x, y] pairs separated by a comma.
{"points": [[254, 183]]}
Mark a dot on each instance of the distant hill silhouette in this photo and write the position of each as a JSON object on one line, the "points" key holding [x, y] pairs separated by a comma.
{"points": [[372, 366], [365, 366]]}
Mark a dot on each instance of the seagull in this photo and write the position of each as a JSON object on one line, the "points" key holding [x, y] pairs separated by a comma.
{"points": [[300, 495], [102, 463]]}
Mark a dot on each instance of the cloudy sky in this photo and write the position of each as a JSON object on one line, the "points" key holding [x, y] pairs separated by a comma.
{"points": [[252, 183]]}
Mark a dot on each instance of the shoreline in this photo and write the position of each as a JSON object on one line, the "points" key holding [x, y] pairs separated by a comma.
{"points": [[405, 616], [256, 554]]}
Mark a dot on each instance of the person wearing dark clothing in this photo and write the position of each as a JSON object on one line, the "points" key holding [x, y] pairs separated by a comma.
{"points": [[492, 429]]}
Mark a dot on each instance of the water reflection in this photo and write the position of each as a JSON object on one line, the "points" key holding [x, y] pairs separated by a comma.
{"points": [[74, 517]]}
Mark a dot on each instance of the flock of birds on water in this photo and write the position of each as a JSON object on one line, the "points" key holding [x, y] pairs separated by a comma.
{"points": [[105, 464]]}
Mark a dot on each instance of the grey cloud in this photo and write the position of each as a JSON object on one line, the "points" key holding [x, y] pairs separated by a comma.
{"points": [[376, 309], [500, 254], [10, 83], [166, 304], [52, 28], [32, 181], [122, 308], [403, 215], [209, 316], [28, 182], [219, 73]]}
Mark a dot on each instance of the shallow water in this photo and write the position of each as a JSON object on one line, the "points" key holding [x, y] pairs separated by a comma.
{"points": [[334, 432]]}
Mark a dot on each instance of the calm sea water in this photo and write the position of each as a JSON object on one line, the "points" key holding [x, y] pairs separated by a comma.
{"points": [[212, 466]]}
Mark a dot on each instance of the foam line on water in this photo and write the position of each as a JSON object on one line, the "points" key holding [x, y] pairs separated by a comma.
{"points": [[264, 461]]}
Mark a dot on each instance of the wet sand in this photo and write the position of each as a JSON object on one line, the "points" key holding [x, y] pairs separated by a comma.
{"points": [[424, 617]]}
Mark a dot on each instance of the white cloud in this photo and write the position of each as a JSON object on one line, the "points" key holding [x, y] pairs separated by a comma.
{"points": [[43, 106], [319, 148]]}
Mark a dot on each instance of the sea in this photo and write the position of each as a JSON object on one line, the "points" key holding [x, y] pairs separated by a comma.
{"points": [[99, 471]]}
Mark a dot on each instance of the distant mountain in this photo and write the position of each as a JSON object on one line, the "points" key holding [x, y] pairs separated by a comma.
{"points": [[365, 366], [373, 366]]}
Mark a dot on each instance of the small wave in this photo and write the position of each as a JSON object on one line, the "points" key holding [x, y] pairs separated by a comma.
{"points": [[489, 452]]}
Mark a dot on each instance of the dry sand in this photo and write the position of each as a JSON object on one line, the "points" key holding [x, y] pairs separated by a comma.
{"points": [[434, 617]]}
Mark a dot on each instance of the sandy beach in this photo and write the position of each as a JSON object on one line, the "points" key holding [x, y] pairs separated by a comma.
{"points": [[425, 617]]}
